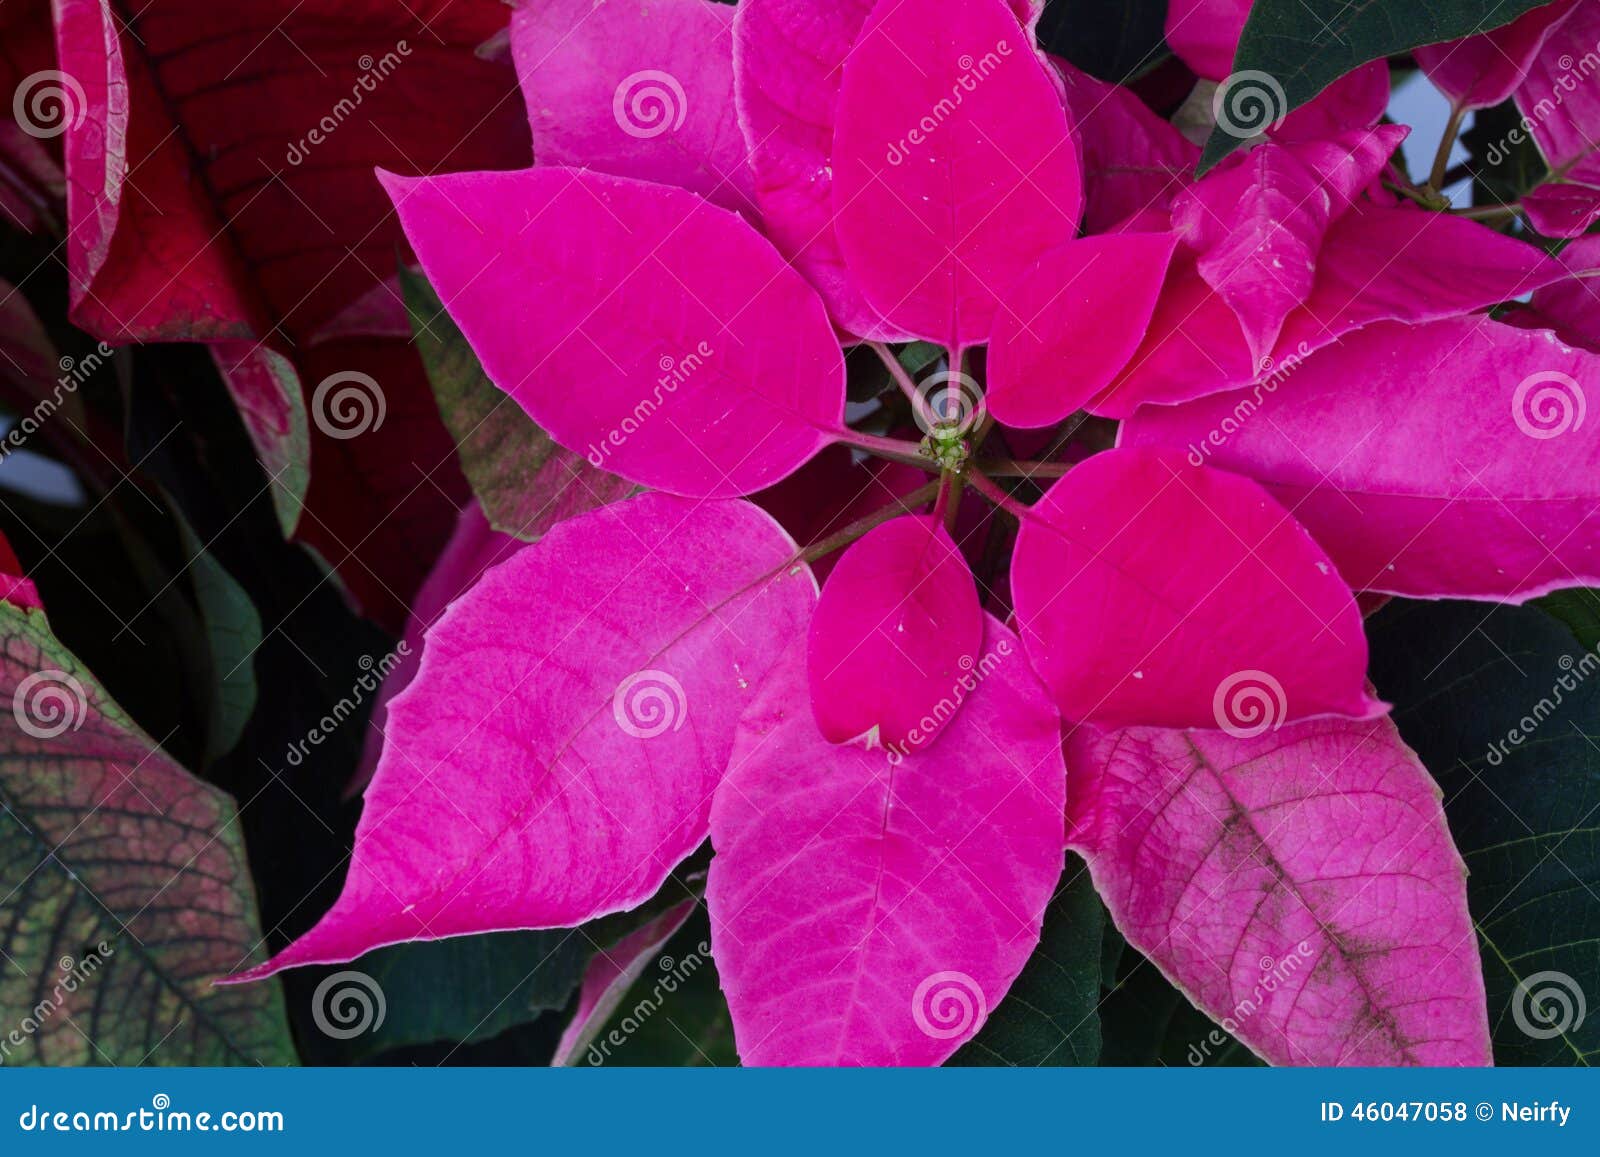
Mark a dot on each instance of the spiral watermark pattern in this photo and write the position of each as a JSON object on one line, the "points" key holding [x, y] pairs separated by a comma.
{"points": [[1547, 405], [49, 103], [649, 703], [347, 1004], [1249, 703], [1248, 104], [948, 402], [49, 703], [649, 103], [348, 404], [948, 1004], [1548, 1004]]}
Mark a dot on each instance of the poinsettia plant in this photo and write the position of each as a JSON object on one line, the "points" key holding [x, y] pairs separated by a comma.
{"points": [[886, 486]]}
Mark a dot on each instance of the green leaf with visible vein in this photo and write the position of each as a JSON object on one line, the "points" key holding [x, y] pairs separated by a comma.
{"points": [[524, 481], [1050, 1016], [1306, 45], [1579, 608], [233, 634], [1504, 708], [124, 884], [469, 988]]}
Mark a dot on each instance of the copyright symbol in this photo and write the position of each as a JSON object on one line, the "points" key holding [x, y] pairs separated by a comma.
{"points": [[1485, 1110]]}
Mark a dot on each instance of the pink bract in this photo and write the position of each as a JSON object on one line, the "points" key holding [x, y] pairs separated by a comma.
{"points": [[868, 909], [1299, 885], [1147, 589], [636, 323], [1402, 444], [633, 95], [1070, 325], [938, 215], [897, 627], [546, 768]]}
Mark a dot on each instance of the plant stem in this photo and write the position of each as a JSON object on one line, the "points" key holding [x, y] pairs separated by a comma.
{"points": [[898, 373], [1489, 212], [994, 494], [1441, 159], [843, 538], [891, 448], [1010, 468]]}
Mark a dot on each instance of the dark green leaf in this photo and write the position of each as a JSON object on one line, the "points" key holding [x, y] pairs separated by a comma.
{"points": [[1303, 46], [467, 988], [675, 1014], [1115, 40], [525, 482], [1049, 1017], [233, 629], [1146, 1021], [1504, 709], [1579, 608]]}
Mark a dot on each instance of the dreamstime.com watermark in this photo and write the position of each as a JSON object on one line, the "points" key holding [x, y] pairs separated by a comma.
{"points": [[1577, 670], [347, 1004], [649, 103], [49, 703], [649, 703], [73, 374], [347, 404], [1548, 1004], [1574, 74], [973, 673], [1546, 405], [947, 1004], [674, 372], [676, 973], [1274, 975], [373, 73], [1246, 407], [70, 977], [1249, 703], [973, 73], [1248, 104], [160, 1117], [47, 104], [366, 684]]}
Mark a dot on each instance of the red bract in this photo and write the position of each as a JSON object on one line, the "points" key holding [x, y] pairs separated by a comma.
{"points": [[881, 773], [219, 162]]}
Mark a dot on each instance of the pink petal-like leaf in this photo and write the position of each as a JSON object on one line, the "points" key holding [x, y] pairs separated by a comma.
{"points": [[1258, 221], [1299, 885], [954, 165], [609, 976], [896, 629], [1375, 265], [1483, 70], [636, 90], [1205, 33], [1443, 460], [1563, 110], [1571, 306], [1133, 160], [1145, 586], [473, 548], [656, 334], [555, 755], [1069, 327], [787, 61], [869, 909], [787, 56]]}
